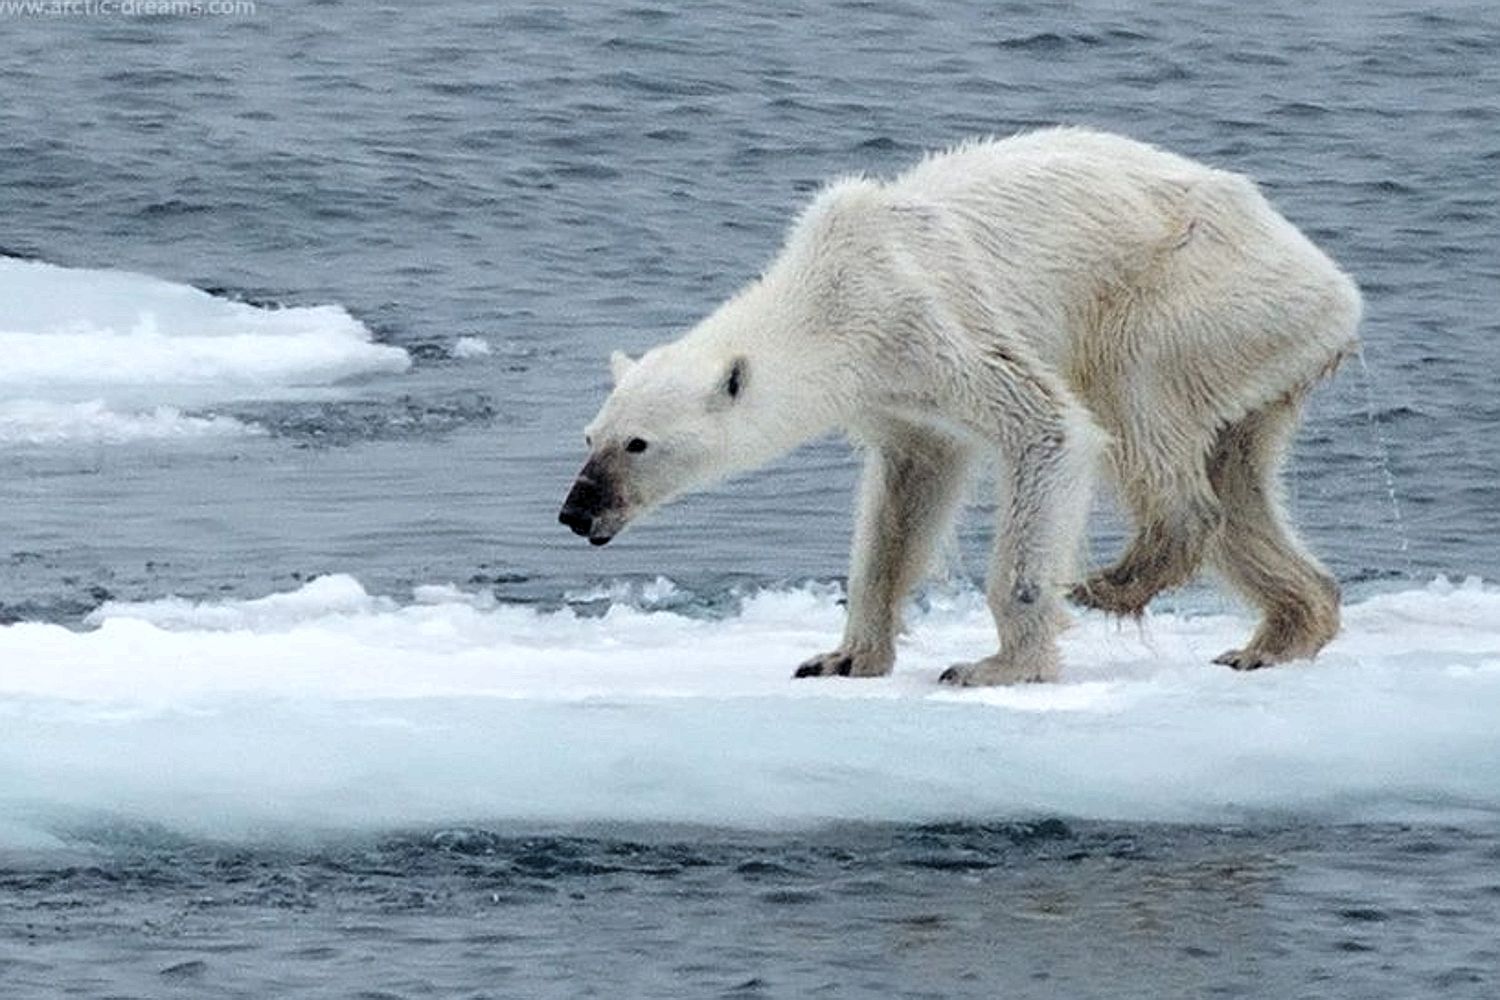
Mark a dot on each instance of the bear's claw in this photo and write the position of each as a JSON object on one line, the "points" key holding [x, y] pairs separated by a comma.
{"points": [[1243, 659], [821, 666], [842, 664]]}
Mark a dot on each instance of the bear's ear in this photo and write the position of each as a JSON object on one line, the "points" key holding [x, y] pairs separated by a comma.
{"points": [[619, 364]]}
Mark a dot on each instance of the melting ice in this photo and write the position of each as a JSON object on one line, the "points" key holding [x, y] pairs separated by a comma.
{"points": [[102, 356], [328, 708]]}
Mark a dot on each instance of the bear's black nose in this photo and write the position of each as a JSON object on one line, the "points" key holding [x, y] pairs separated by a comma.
{"points": [[589, 497], [576, 519]]}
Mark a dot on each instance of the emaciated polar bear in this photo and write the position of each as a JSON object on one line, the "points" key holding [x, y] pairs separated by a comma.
{"points": [[1050, 300]]}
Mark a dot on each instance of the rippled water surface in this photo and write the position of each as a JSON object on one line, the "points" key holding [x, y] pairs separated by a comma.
{"points": [[566, 180], [556, 181], [955, 910]]}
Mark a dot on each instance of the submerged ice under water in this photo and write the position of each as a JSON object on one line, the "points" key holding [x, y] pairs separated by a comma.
{"points": [[965, 911]]}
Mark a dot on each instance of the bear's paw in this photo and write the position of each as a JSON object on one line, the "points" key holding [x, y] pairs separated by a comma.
{"points": [[847, 663], [1002, 669]]}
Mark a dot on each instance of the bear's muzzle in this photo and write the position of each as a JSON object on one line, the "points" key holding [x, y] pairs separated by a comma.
{"points": [[589, 499]]}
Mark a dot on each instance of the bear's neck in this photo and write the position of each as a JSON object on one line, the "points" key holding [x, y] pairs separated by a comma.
{"points": [[794, 378]]}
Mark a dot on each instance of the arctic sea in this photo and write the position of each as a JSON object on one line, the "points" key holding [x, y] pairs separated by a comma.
{"points": [[303, 691]]}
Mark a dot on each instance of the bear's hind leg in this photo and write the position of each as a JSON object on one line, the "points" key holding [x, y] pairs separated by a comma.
{"points": [[1175, 526], [1258, 551], [912, 483]]}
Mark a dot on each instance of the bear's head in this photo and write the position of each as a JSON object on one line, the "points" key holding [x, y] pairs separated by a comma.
{"points": [[677, 419]]}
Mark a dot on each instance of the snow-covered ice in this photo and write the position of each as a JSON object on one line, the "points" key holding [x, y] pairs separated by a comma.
{"points": [[328, 708], [103, 356]]}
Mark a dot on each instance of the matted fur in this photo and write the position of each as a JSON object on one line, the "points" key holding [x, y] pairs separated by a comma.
{"points": [[1061, 301]]}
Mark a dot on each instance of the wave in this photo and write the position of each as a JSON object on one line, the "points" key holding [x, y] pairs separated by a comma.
{"points": [[103, 356], [328, 708]]}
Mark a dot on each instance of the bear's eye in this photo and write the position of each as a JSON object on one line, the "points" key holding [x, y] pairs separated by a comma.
{"points": [[635, 445], [588, 440]]}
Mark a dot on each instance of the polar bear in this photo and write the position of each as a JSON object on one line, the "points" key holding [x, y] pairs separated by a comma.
{"points": [[1058, 301]]}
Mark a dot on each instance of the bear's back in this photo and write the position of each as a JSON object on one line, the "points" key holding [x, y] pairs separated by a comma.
{"points": [[1062, 155], [1076, 225], [1077, 207]]}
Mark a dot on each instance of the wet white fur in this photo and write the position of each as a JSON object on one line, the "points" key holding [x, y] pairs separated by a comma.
{"points": [[1046, 300]]}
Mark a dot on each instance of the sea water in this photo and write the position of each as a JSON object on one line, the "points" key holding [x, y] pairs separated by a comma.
{"points": [[303, 692]]}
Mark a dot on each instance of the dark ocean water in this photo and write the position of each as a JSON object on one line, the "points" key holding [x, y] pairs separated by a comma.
{"points": [[1040, 909], [567, 180], [564, 180]]}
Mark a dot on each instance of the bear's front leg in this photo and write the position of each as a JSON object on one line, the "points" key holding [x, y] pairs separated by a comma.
{"points": [[1028, 652], [1042, 508], [912, 483]]}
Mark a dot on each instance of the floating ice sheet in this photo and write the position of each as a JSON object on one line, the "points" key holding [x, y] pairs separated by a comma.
{"points": [[328, 708], [102, 356]]}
